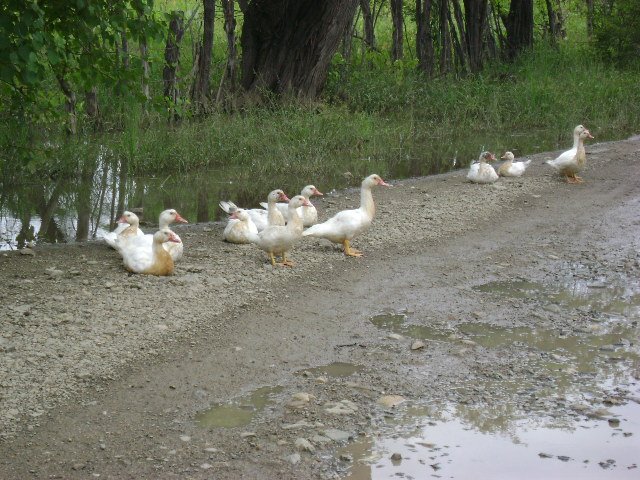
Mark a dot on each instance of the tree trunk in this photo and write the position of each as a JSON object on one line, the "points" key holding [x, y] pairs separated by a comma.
{"points": [[200, 90], [171, 60], [83, 199], [69, 104], [287, 45], [445, 37], [398, 28], [424, 42], [589, 18], [144, 56], [475, 24], [459, 40], [91, 108], [230, 77], [519, 25], [367, 20]]}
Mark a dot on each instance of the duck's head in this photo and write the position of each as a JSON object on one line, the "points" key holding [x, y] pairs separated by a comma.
{"points": [[169, 216], [129, 217], [508, 156], [310, 190], [373, 180], [277, 196], [581, 132], [240, 214], [487, 157], [299, 201], [165, 235]]}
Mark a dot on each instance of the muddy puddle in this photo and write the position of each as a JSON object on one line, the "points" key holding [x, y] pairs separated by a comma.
{"points": [[332, 370], [449, 444], [240, 412], [569, 407]]}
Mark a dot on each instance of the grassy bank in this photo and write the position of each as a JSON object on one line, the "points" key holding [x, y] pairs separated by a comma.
{"points": [[388, 118]]}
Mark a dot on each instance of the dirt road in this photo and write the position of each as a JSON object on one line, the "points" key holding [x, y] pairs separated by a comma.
{"points": [[108, 375]]}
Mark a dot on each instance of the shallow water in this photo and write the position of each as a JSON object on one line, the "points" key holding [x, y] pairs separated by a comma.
{"points": [[576, 414], [37, 210], [240, 412]]}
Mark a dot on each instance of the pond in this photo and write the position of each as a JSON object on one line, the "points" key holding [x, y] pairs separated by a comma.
{"points": [[62, 210]]}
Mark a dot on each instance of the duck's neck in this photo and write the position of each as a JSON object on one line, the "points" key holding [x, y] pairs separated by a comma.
{"points": [[162, 261], [272, 212], [163, 223], [366, 201], [295, 223], [578, 144], [131, 230]]}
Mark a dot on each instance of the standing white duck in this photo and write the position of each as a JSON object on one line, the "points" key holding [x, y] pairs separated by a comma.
{"points": [[344, 225], [240, 228], [139, 257], [510, 168], [262, 218], [572, 161], [309, 214], [278, 239], [128, 226], [167, 217], [481, 171]]}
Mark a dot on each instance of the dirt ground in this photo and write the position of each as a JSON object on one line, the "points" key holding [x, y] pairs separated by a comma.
{"points": [[104, 374]]}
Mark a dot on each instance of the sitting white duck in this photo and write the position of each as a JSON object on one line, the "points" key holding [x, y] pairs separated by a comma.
{"points": [[481, 171], [278, 239], [510, 168], [260, 217], [167, 217], [344, 225], [140, 257], [572, 161], [240, 228], [128, 226], [309, 214]]}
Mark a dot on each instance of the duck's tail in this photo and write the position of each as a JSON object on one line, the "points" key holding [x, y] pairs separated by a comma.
{"points": [[228, 207]]}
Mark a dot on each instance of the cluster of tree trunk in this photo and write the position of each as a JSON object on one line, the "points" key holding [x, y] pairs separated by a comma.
{"points": [[288, 45]]}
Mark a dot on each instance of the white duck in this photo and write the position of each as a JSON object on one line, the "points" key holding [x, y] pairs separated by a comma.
{"points": [[344, 225], [481, 171], [262, 218], [139, 257], [572, 161], [128, 226], [278, 239], [510, 168], [309, 214], [240, 228], [167, 217]]}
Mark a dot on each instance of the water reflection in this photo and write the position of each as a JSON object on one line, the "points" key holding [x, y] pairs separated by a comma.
{"points": [[58, 210]]}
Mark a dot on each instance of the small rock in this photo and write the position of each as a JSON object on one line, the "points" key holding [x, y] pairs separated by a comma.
{"points": [[345, 457], [304, 445], [563, 458], [396, 457], [390, 401], [247, 434], [545, 455], [344, 407], [205, 466], [614, 422], [185, 438], [54, 272], [294, 458], [302, 397], [211, 450], [395, 336], [78, 466], [322, 380], [27, 251], [336, 435], [417, 345]]}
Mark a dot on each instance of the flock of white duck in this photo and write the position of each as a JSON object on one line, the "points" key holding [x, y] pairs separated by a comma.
{"points": [[280, 223]]}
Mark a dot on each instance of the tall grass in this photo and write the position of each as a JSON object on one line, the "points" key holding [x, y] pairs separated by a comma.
{"points": [[382, 116]]}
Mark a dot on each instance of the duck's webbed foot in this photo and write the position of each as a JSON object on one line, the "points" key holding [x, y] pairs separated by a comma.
{"points": [[351, 252]]}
